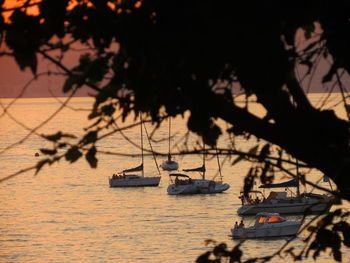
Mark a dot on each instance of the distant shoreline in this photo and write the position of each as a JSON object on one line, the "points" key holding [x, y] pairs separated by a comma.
{"points": [[78, 96]]}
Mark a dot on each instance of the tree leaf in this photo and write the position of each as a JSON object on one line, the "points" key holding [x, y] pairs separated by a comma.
{"points": [[62, 145], [347, 108], [70, 82], [253, 150], [265, 151], [204, 258], [90, 137], [238, 159], [54, 137], [48, 151], [91, 157], [108, 110], [40, 164], [328, 77], [73, 154], [68, 135]]}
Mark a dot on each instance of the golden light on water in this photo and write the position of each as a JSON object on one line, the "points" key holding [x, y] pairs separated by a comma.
{"points": [[68, 212]]}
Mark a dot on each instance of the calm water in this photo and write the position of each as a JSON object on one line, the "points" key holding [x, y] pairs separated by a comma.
{"points": [[68, 213]]}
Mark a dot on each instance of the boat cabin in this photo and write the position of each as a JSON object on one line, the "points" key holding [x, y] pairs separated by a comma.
{"points": [[181, 179], [124, 176], [277, 195], [269, 218], [254, 197]]}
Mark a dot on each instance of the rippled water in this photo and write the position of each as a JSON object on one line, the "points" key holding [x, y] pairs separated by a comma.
{"points": [[68, 213]]}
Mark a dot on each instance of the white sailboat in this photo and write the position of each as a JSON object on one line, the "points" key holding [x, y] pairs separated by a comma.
{"points": [[127, 178], [185, 185], [281, 202], [169, 164], [267, 225]]}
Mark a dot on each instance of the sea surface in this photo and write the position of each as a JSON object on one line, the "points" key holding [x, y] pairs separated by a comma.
{"points": [[68, 212]]}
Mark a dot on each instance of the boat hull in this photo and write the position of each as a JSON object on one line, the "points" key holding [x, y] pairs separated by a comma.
{"points": [[169, 166], [134, 182], [198, 186], [272, 230], [285, 208]]}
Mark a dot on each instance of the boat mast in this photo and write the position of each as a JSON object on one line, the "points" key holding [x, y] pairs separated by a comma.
{"points": [[169, 156], [143, 173], [297, 170], [296, 161], [217, 157], [203, 175]]}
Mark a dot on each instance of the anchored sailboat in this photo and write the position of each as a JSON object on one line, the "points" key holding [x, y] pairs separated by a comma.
{"points": [[169, 164], [184, 184], [127, 178], [280, 202]]}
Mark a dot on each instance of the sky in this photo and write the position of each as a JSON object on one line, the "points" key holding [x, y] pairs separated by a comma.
{"points": [[12, 79]]}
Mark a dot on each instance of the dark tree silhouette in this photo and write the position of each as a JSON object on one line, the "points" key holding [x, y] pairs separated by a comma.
{"points": [[188, 56]]}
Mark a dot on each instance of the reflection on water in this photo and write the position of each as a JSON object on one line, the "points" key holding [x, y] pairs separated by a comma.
{"points": [[68, 213]]}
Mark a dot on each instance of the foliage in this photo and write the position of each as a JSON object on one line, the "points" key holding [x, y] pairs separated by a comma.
{"points": [[165, 58]]}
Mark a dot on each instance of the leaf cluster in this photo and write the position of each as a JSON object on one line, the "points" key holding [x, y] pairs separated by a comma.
{"points": [[331, 232]]}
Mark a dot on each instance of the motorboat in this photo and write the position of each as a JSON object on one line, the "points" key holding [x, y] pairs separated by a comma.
{"points": [[128, 178], [267, 225], [280, 202], [185, 185]]}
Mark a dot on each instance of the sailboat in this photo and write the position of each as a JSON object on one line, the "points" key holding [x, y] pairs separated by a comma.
{"points": [[128, 178], [185, 185], [280, 202], [169, 164]]}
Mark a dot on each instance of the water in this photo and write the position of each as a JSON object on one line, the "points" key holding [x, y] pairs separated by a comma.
{"points": [[68, 213]]}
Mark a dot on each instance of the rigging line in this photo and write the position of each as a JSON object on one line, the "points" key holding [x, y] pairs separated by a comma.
{"points": [[203, 175], [120, 130], [150, 145], [143, 168], [41, 124], [183, 139], [222, 164], [169, 135]]}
